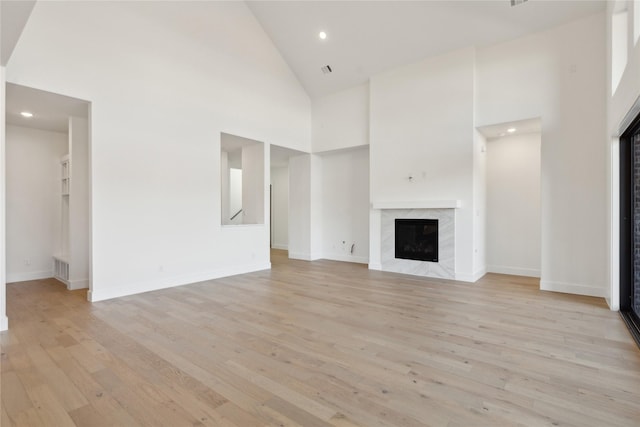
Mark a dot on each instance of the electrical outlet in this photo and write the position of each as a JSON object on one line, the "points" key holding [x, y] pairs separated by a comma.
{"points": [[27, 261]]}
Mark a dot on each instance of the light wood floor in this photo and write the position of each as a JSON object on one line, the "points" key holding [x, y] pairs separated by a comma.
{"points": [[317, 344]]}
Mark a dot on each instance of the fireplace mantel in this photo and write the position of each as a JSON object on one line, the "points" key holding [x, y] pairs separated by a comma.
{"points": [[419, 204]]}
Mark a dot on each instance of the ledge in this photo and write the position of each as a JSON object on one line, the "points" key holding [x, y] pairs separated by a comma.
{"points": [[420, 204]]}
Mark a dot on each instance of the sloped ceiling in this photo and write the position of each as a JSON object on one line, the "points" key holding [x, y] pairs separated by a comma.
{"points": [[368, 37], [13, 17]]}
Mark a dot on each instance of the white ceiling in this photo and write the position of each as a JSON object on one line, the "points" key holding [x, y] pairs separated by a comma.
{"points": [[50, 110], [364, 38], [13, 17], [499, 130], [369, 37], [229, 142], [233, 144], [280, 156]]}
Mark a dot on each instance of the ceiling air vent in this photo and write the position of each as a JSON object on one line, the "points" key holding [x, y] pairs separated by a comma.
{"points": [[517, 2], [326, 69]]}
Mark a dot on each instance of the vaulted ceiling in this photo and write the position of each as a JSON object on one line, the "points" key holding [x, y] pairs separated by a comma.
{"points": [[363, 37], [368, 37], [13, 17]]}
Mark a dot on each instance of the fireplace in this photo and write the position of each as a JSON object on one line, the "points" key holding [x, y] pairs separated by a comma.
{"points": [[416, 239], [445, 266]]}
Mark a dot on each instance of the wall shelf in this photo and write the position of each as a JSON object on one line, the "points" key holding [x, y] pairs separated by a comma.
{"points": [[61, 259], [65, 175]]}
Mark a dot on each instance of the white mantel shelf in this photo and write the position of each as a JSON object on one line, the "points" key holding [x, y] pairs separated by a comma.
{"points": [[419, 204]]}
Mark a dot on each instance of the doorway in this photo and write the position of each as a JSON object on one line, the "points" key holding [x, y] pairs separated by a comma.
{"points": [[279, 197], [47, 187], [513, 197]]}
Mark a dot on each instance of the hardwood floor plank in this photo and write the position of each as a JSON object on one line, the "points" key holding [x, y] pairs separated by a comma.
{"points": [[88, 416], [239, 417], [28, 418], [318, 343], [49, 408], [56, 379], [300, 401], [4, 416], [17, 400]]}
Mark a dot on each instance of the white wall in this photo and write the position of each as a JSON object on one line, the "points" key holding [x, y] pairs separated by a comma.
{"points": [[340, 120], [345, 205], [421, 119], [305, 207], [253, 187], [618, 105], [225, 188], [513, 205], [299, 207], [315, 207], [33, 191], [4, 322], [79, 226], [559, 75], [235, 196], [479, 205], [164, 79], [280, 208], [340, 132]]}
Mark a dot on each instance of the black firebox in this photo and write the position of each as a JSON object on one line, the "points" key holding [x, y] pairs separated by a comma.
{"points": [[417, 239]]}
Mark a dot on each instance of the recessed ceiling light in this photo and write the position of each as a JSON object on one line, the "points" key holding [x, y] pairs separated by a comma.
{"points": [[511, 130], [322, 35], [26, 114]]}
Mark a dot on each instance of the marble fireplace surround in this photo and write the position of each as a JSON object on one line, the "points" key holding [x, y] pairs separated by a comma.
{"points": [[444, 212]]}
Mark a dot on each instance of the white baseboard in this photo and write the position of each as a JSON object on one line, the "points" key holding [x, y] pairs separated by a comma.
{"points": [[347, 258], [375, 266], [31, 275], [4, 323], [300, 255], [613, 306], [95, 295], [515, 271], [304, 256], [471, 278], [572, 288], [479, 274], [78, 284], [281, 247]]}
